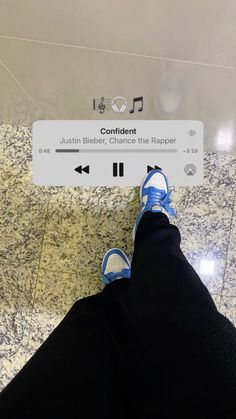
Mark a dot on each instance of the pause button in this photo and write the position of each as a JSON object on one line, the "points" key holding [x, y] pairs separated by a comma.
{"points": [[118, 169]]}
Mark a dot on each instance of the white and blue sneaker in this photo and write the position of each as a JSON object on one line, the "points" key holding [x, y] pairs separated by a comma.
{"points": [[154, 196], [115, 265]]}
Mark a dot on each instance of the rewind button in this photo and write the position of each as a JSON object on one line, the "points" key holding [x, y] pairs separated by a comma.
{"points": [[81, 169]]}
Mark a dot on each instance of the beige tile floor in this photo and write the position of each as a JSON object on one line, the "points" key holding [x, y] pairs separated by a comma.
{"points": [[53, 239]]}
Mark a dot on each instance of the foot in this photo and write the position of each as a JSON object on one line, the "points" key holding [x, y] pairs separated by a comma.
{"points": [[154, 196], [115, 265]]}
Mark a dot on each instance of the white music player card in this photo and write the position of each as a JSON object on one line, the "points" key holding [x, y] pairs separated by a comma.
{"points": [[116, 153]]}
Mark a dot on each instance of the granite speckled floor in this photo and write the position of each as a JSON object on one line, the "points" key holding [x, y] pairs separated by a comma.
{"points": [[53, 240]]}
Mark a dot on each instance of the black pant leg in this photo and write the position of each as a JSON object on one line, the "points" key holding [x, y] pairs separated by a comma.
{"points": [[79, 371], [181, 346], [160, 268]]}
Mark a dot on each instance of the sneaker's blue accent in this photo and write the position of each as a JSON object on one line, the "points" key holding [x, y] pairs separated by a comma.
{"points": [[157, 197], [119, 267], [152, 196]]}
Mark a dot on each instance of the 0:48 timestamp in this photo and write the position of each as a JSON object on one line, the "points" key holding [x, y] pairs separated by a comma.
{"points": [[44, 150]]}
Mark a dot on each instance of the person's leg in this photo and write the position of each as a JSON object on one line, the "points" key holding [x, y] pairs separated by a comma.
{"points": [[181, 346], [161, 271], [80, 370]]}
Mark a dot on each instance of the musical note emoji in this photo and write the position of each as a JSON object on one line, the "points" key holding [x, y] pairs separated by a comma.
{"points": [[102, 105], [137, 100]]}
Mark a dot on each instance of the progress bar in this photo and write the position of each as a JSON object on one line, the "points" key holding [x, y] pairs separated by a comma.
{"points": [[116, 150]]}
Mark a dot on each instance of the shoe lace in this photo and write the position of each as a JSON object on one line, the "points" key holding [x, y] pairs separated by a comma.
{"points": [[160, 198], [124, 273]]}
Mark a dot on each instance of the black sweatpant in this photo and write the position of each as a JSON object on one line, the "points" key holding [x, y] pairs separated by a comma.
{"points": [[153, 346]]}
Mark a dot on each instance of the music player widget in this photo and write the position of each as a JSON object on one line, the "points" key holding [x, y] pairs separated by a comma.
{"points": [[116, 153]]}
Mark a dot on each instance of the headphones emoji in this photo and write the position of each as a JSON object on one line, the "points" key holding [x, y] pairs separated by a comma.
{"points": [[118, 99]]}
